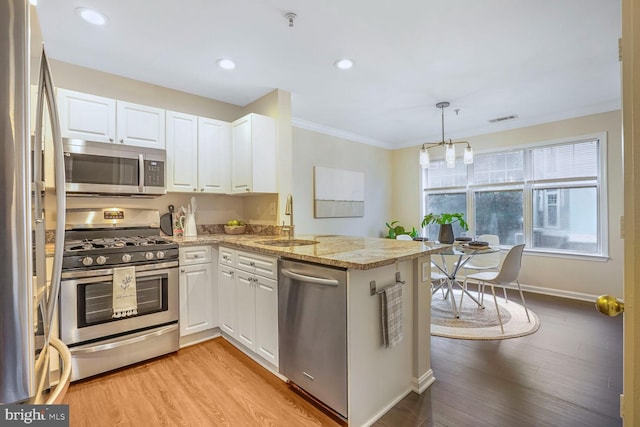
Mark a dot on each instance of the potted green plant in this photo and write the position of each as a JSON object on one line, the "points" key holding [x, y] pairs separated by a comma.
{"points": [[396, 230], [446, 221]]}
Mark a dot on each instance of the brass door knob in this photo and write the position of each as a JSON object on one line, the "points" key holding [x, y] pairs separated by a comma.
{"points": [[606, 304]]}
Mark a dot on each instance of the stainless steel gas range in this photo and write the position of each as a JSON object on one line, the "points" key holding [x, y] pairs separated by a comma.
{"points": [[103, 246]]}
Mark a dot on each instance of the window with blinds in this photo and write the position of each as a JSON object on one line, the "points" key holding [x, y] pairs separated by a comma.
{"points": [[550, 196]]}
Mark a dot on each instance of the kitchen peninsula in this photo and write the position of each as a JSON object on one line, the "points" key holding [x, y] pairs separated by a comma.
{"points": [[378, 377]]}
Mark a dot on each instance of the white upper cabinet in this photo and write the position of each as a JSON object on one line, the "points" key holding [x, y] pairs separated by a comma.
{"points": [[182, 152], [214, 139], [140, 125], [197, 154], [253, 155], [85, 116], [100, 119]]}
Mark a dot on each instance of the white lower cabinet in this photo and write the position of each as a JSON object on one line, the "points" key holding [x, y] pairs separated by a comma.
{"points": [[266, 316], [246, 309], [196, 290], [248, 292], [227, 298]]}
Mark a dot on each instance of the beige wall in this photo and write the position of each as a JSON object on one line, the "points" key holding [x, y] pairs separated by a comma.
{"points": [[315, 149], [581, 278]]}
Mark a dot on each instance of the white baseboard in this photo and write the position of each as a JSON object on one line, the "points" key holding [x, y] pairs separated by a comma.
{"points": [[555, 292], [419, 385], [386, 408], [256, 357], [199, 337]]}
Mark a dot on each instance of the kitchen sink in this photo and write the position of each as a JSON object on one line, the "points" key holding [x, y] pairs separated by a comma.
{"points": [[287, 242]]}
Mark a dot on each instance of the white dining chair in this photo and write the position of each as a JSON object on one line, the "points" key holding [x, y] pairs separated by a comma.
{"points": [[507, 274], [490, 261], [484, 262]]}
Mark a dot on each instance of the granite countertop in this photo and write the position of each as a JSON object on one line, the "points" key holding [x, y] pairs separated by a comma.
{"points": [[361, 253]]}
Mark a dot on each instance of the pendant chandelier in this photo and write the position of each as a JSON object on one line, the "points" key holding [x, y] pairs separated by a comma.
{"points": [[449, 146]]}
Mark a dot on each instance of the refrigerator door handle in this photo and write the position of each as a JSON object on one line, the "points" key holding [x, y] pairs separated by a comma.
{"points": [[46, 89]]}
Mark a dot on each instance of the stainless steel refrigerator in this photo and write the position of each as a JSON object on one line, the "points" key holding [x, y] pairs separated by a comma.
{"points": [[27, 303]]}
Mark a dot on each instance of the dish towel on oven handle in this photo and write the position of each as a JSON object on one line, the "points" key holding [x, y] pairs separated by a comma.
{"points": [[125, 300], [392, 315]]}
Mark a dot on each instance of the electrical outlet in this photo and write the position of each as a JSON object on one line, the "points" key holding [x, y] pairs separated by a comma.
{"points": [[426, 271]]}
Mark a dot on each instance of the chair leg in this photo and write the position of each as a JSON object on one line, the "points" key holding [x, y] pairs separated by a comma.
{"points": [[464, 287], [523, 303], [495, 300]]}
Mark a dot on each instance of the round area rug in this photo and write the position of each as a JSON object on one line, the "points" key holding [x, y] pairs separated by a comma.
{"points": [[476, 323]]}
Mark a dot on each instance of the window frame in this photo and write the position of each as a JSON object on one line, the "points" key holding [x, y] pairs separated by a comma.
{"points": [[528, 187]]}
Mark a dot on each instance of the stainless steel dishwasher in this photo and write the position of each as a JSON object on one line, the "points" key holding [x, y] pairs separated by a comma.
{"points": [[312, 323]]}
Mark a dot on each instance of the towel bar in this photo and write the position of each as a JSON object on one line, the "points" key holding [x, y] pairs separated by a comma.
{"points": [[373, 289]]}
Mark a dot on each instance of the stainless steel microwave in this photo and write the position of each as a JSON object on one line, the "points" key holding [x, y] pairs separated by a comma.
{"points": [[113, 169]]}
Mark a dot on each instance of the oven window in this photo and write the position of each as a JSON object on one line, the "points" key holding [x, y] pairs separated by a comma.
{"points": [[90, 169], [95, 300]]}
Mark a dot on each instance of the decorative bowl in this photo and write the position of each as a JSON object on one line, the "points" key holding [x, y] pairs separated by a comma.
{"points": [[235, 229]]}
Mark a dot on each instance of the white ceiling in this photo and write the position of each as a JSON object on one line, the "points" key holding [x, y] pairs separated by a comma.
{"points": [[542, 60]]}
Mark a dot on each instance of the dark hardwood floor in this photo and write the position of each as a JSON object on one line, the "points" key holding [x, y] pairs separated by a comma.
{"points": [[569, 373]]}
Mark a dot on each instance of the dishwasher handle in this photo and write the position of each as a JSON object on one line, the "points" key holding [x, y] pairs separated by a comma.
{"points": [[310, 279]]}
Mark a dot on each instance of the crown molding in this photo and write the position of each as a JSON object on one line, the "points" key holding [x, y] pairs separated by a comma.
{"points": [[305, 124]]}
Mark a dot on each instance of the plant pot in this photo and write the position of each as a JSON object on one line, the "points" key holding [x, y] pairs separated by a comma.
{"points": [[446, 234]]}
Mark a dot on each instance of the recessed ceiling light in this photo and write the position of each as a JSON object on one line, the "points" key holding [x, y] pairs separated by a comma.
{"points": [[343, 64], [91, 16], [226, 64]]}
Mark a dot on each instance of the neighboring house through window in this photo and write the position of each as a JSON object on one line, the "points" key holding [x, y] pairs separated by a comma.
{"points": [[551, 196]]}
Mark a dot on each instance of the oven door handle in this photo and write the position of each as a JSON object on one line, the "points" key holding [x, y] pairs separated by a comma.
{"points": [[129, 341]]}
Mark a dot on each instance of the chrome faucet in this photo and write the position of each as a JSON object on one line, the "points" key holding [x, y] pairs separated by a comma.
{"points": [[288, 210]]}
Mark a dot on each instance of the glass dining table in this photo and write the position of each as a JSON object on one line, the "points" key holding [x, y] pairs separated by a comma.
{"points": [[458, 255]]}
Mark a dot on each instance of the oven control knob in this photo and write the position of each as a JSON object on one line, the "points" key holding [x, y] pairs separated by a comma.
{"points": [[126, 258], [149, 255], [160, 254], [101, 259], [87, 261]]}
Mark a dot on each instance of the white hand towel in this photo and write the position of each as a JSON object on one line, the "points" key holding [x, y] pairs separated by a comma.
{"points": [[125, 300], [392, 315]]}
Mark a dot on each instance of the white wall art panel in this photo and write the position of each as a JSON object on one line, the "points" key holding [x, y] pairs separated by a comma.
{"points": [[338, 193]]}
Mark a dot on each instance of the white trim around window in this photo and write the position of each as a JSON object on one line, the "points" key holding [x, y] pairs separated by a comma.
{"points": [[498, 181]]}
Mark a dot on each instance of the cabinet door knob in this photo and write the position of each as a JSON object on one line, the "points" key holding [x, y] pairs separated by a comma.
{"points": [[182, 270], [202, 189], [110, 139], [122, 141]]}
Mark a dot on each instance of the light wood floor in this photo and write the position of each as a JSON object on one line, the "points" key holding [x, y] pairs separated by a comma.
{"points": [[208, 384], [567, 374]]}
